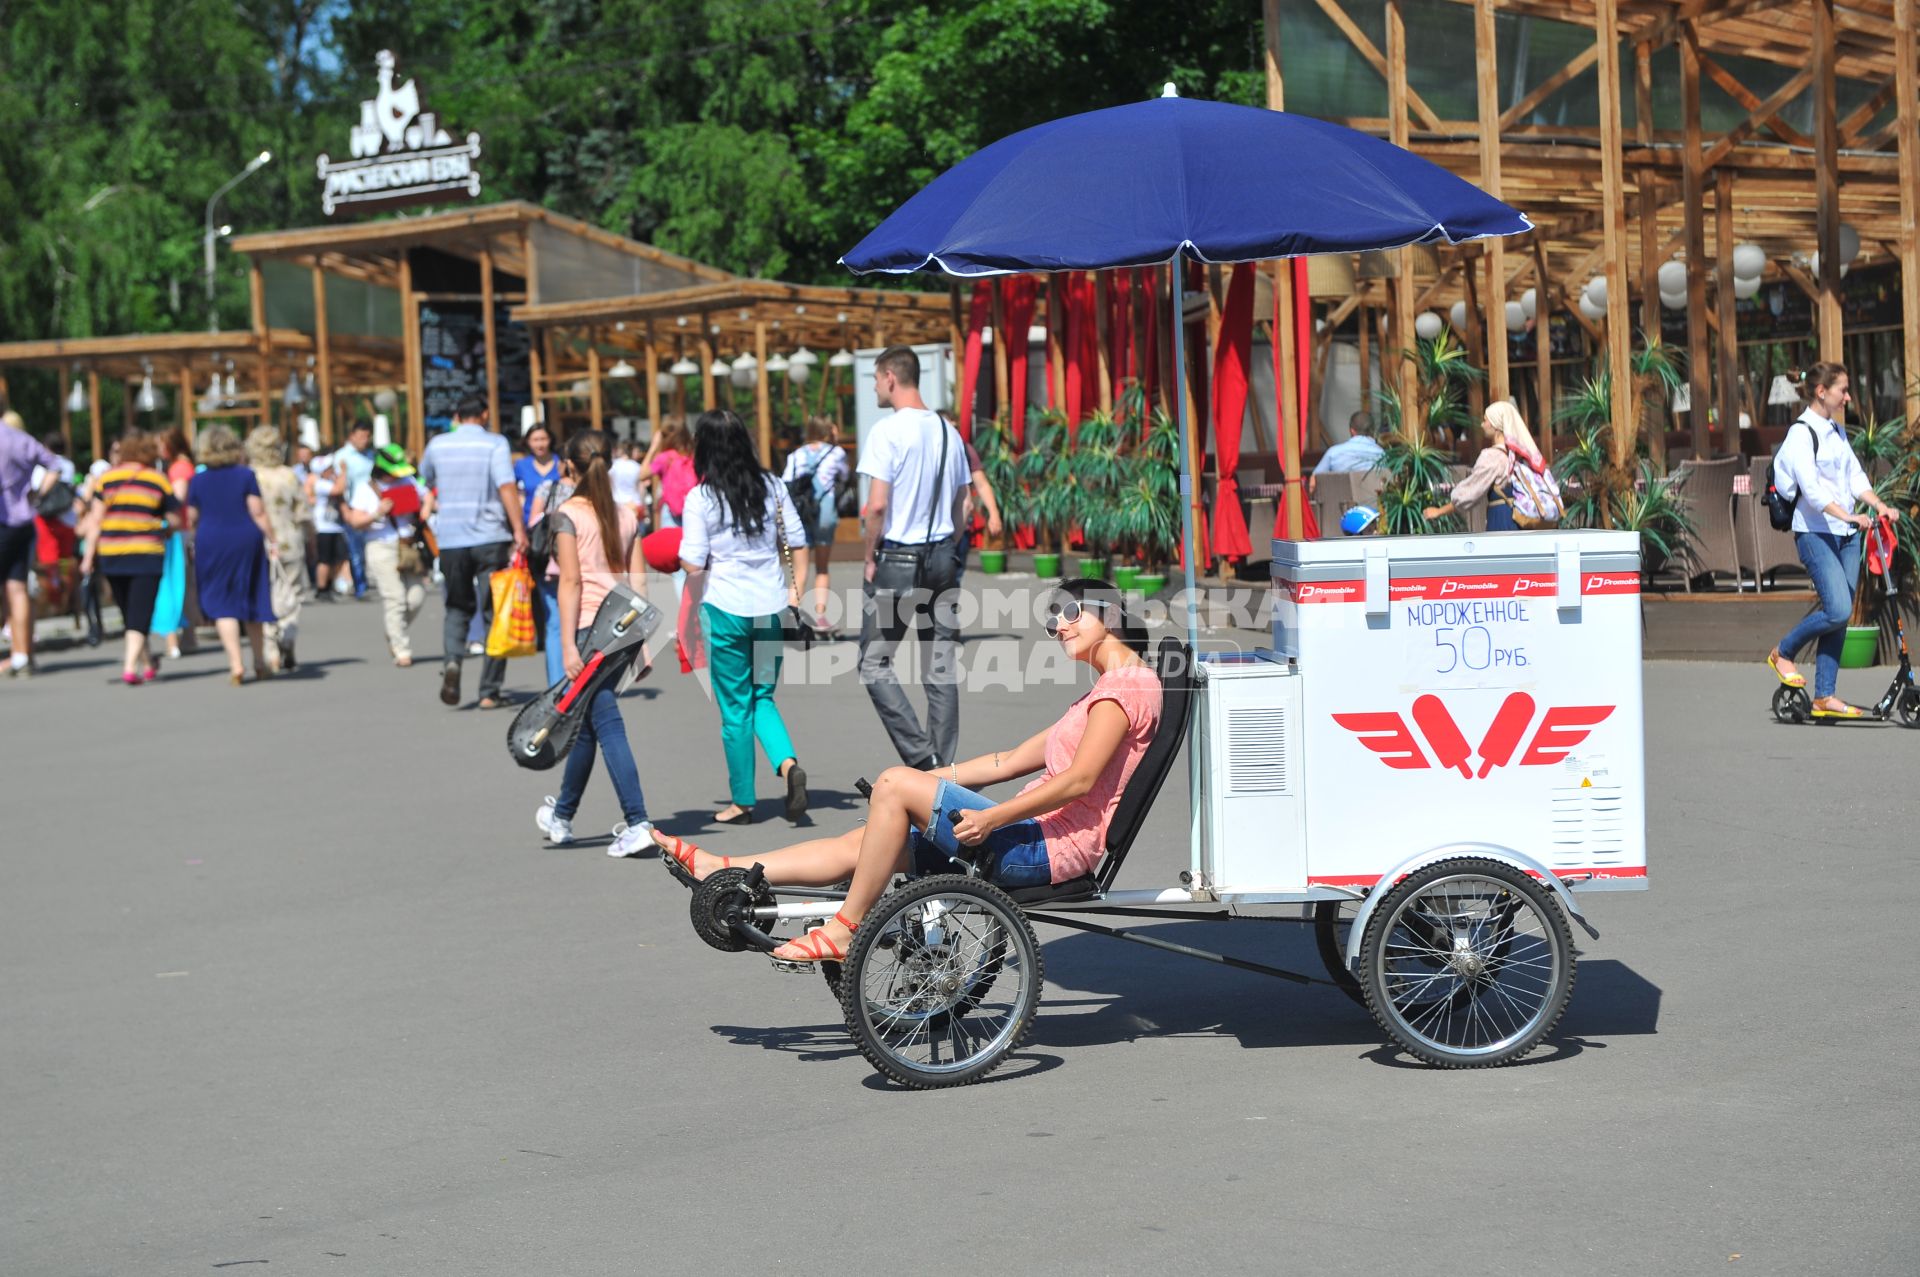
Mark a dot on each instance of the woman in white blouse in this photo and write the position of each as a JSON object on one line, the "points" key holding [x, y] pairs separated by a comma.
{"points": [[1816, 466], [733, 523]]}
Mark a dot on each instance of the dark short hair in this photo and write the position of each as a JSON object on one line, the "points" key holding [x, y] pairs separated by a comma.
{"points": [[470, 408], [1360, 423], [1104, 594], [360, 423], [901, 362]]}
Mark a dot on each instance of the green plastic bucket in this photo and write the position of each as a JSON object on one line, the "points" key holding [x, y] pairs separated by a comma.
{"points": [[1863, 643]]}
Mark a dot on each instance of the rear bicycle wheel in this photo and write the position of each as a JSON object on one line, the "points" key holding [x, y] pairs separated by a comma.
{"points": [[1468, 963]]}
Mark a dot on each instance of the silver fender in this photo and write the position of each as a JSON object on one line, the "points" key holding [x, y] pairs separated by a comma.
{"points": [[1519, 860]]}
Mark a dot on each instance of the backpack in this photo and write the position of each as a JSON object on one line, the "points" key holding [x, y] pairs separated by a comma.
{"points": [[806, 502], [1779, 504], [1535, 495]]}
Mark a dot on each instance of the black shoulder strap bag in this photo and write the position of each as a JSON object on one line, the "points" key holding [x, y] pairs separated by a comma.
{"points": [[917, 555]]}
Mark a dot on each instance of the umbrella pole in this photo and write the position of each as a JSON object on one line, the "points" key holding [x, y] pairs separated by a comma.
{"points": [[1188, 550]]}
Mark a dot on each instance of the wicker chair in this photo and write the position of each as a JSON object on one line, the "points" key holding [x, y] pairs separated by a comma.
{"points": [[1764, 550], [1705, 489], [1333, 497]]}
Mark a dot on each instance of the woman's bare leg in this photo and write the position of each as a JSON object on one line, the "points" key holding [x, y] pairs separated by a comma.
{"points": [[136, 661], [822, 585], [818, 862], [902, 797], [257, 640], [228, 628]]}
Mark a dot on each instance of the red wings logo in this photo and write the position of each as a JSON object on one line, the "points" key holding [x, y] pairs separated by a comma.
{"points": [[1560, 729]]}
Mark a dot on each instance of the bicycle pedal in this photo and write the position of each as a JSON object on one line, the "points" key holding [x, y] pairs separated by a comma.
{"points": [[791, 967]]}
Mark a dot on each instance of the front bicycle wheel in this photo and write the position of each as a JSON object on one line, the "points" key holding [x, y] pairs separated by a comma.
{"points": [[942, 981], [1467, 963]]}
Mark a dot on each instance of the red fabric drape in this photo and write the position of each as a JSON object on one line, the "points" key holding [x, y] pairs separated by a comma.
{"points": [[1231, 364], [1018, 297], [979, 309]]}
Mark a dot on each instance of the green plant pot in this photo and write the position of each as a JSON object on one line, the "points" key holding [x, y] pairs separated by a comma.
{"points": [[1045, 565], [1150, 583], [1096, 568], [993, 562], [1125, 575], [1863, 641]]}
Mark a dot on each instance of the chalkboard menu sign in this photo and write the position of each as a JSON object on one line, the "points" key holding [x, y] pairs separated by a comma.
{"points": [[453, 361]]}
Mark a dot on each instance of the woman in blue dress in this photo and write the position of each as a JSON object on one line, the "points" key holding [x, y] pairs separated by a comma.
{"points": [[232, 542]]}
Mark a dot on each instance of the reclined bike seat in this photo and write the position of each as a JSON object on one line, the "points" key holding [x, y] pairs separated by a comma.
{"points": [[1174, 666]]}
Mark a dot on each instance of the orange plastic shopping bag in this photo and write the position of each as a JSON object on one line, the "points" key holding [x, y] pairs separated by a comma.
{"points": [[511, 633]]}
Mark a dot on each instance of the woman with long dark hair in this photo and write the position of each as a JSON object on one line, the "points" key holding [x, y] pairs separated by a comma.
{"points": [[597, 545], [734, 524], [1052, 831]]}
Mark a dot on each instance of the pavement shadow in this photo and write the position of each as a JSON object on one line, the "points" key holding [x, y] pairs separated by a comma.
{"points": [[1158, 995]]}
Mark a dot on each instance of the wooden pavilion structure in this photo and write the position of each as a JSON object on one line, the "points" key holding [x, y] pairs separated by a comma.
{"points": [[1623, 196]]}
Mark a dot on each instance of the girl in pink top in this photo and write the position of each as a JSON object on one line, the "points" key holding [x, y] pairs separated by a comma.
{"points": [[597, 546], [1053, 830], [670, 460]]}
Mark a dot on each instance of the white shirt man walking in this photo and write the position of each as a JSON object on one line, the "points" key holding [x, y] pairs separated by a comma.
{"points": [[917, 467]]}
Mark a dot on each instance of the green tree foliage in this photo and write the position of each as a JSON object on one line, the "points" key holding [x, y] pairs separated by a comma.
{"points": [[763, 136]]}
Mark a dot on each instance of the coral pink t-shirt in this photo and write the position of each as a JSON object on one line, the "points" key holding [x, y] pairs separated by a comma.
{"points": [[676, 479], [1076, 834]]}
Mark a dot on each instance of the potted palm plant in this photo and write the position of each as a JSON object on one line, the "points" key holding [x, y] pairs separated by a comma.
{"points": [[1095, 464], [994, 443], [1045, 471], [1416, 468]]}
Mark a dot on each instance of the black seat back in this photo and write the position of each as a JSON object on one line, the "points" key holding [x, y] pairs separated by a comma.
{"points": [[1174, 665]]}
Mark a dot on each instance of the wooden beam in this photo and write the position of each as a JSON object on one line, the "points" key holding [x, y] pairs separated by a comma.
{"points": [[1743, 95], [93, 415], [263, 384], [650, 368], [1358, 38], [1486, 65], [1606, 25], [1906, 18], [1476, 337], [416, 423], [1103, 341], [1056, 343], [492, 346], [1002, 405], [1548, 87], [709, 396], [1649, 224], [184, 407], [1830, 318], [1864, 113], [1542, 347], [257, 295], [596, 402], [1779, 101], [322, 355], [1693, 211], [762, 398], [1403, 377], [1728, 328]]}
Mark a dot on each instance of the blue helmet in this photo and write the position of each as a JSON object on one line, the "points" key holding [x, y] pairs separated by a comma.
{"points": [[1359, 520]]}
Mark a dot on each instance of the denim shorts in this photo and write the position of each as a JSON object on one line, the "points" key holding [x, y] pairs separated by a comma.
{"points": [[1016, 854]]}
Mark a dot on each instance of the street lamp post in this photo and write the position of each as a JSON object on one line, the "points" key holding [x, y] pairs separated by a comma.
{"points": [[254, 165]]}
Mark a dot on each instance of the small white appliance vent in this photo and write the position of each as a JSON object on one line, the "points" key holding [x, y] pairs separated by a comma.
{"points": [[1257, 750]]}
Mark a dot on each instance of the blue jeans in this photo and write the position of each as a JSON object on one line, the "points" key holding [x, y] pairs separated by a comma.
{"points": [[1834, 564], [550, 601], [608, 731], [1016, 853], [357, 560]]}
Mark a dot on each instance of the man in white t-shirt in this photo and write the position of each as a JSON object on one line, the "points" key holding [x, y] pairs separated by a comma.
{"points": [[916, 465]]}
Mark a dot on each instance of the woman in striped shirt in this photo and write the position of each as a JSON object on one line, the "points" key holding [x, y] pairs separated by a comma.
{"points": [[133, 512]]}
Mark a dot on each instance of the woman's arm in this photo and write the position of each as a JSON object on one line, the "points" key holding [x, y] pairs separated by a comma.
{"points": [[566, 550], [636, 567], [1487, 470], [1024, 759], [257, 511], [88, 530], [1106, 729]]}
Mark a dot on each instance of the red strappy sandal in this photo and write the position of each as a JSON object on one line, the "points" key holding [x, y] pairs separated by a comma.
{"points": [[818, 946], [678, 858]]}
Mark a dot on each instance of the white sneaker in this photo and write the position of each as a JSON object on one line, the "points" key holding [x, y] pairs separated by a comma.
{"points": [[559, 831], [631, 840], [543, 818]]}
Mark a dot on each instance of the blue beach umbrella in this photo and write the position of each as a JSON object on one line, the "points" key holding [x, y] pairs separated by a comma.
{"points": [[1150, 182]]}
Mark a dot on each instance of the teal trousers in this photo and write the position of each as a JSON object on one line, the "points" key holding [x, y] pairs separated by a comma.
{"points": [[743, 661]]}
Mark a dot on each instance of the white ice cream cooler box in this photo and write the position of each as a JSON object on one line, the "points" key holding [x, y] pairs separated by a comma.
{"points": [[1425, 695]]}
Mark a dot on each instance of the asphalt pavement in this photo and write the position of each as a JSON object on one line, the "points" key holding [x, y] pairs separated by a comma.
{"points": [[289, 982]]}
